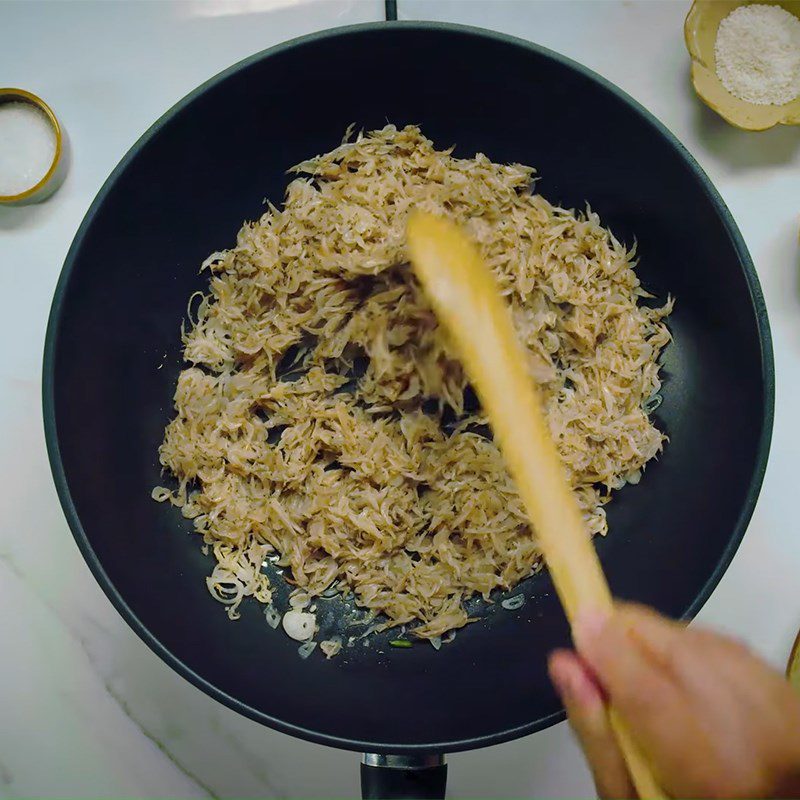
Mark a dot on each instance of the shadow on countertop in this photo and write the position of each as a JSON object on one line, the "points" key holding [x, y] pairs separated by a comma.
{"points": [[742, 149]]}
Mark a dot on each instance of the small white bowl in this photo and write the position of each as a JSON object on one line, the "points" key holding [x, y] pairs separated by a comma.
{"points": [[57, 171]]}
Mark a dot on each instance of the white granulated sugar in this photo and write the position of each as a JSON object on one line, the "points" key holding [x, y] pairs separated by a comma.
{"points": [[27, 147], [758, 54]]}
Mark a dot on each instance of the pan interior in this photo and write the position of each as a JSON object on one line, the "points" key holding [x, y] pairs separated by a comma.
{"points": [[184, 193]]}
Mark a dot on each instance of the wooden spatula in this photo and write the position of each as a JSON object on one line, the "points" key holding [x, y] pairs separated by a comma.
{"points": [[468, 303]]}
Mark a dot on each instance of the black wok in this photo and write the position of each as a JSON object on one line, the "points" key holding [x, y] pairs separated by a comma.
{"points": [[184, 190]]}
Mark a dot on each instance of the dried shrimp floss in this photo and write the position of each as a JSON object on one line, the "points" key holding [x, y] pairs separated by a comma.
{"points": [[323, 416]]}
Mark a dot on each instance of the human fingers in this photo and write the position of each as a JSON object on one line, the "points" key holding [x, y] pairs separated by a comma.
{"points": [[715, 672], [688, 654], [627, 671], [701, 706], [588, 716], [641, 690], [659, 636]]}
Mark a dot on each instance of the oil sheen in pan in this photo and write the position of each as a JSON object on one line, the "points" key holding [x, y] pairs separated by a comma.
{"points": [[340, 618]]}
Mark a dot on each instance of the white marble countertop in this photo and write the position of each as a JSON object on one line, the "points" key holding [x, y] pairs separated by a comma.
{"points": [[87, 710]]}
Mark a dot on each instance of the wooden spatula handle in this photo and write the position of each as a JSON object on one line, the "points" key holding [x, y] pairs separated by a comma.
{"points": [[467, 301]]}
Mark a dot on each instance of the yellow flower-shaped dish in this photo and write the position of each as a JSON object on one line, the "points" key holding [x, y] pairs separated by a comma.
{"points": [[793, 667], [700, 31]]}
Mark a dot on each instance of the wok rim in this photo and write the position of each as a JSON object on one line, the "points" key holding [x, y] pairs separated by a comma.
{"points": [[51, 347]]}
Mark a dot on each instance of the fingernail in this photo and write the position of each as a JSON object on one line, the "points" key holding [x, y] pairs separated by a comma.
{"points": [[589, 626]]}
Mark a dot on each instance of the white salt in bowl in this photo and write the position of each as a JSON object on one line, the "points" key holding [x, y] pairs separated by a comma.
{"points": [[32, 163], [700, 32]]}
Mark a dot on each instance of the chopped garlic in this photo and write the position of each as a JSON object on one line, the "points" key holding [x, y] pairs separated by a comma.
{"points": [[299, 625]]}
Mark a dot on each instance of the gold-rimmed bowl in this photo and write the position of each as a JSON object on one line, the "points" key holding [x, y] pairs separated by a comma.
{"points": [[793, 665], [52, 178], [700, 32]]}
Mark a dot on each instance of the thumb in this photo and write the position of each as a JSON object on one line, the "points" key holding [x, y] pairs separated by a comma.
{"points": [[588, 716], [636, 682], [635, 675]]}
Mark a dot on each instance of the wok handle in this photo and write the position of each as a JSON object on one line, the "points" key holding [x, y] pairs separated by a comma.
{"points": [[390, 777]]}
